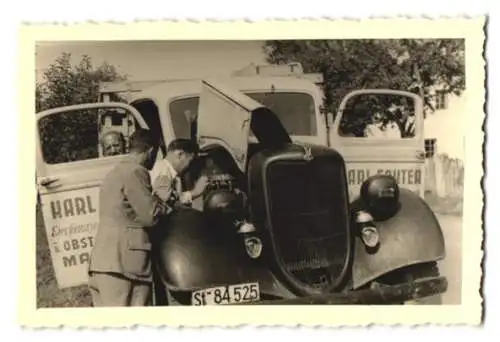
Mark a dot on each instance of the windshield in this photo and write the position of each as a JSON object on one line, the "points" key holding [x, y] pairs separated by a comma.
{"points": [[296, 112]]}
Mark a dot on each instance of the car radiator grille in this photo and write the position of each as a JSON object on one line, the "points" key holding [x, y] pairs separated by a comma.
{"points": [[308, 217]]}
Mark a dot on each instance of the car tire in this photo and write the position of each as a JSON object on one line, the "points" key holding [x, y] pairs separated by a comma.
{"points": [[412, 273], [171, 300], [420, 271]]}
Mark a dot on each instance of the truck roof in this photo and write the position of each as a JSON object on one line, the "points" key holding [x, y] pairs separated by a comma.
{"points": [[245, 84], [253, 77]]}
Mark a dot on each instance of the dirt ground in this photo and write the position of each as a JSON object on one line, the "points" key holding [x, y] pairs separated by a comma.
{"points": [[48, 295], [451, 266]]}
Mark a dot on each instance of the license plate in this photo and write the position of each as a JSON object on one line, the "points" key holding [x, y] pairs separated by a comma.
{"points": [[230, 294]]}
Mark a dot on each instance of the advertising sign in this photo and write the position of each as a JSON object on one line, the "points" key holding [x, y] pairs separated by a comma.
{"points": [[408, 175], [71, 223]]}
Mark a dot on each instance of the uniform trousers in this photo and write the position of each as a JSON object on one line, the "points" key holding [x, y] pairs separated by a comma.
{"points": [[112, 289]]}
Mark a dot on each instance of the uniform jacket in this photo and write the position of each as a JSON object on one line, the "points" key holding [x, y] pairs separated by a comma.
{"points": [[127, 208]]}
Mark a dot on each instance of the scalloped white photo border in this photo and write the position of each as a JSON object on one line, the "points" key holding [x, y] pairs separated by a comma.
{"points": [[470, 310]]}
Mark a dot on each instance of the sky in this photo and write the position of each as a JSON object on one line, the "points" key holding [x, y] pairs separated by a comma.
{"points": [[178, 59], [155, 60]]}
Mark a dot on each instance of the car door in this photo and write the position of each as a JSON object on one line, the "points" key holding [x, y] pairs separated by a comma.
{"points": [[380, 131], [70, 167]]}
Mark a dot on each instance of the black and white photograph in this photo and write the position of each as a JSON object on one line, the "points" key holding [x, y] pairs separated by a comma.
{"points": [[251, 172]]}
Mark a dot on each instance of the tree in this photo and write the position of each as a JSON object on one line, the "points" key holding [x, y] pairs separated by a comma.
{"points": [[71, 137], [64, 84], [415, 65]]}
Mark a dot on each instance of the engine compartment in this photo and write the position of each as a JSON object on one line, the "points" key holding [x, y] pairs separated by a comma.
{"points": [[225, 198]]}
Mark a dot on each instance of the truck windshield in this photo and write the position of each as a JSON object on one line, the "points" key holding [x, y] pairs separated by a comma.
{"points": [[295, 110]]}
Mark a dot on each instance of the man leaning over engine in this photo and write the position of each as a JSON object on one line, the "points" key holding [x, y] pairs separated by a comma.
{"points": [[166, 174]]}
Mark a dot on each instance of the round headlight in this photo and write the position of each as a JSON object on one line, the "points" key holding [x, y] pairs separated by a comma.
{"points": [[368, 231], [380, 195], [370, 236], [253, 246]]}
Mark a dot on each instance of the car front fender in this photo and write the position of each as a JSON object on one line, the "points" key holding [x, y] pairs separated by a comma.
{"points": [[190, 255], [411, 236]]}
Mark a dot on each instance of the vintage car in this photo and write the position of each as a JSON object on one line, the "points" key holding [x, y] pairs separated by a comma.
{"points": [[302, 208]]}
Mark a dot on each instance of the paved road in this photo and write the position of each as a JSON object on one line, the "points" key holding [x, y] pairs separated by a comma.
{"points": [[451, 265]]}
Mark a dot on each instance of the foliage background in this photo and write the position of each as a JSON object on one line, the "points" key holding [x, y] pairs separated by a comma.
{"points": [[417, 65], [68, 137]]}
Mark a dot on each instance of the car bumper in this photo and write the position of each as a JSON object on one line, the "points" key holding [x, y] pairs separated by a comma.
{"points": [[379, 295]]}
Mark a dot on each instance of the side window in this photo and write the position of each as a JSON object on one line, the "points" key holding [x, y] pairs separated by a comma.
{"points": [[430, 147], [441, 100], [184, 113], [150, 113], [379, 116], [84, 134]]}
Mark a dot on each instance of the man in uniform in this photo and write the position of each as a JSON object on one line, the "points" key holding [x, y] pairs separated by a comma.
{"points": [[113, 143], [120, 271]]}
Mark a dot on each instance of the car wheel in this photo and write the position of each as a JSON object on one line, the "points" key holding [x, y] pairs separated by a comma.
{"points": [[412, 273], [172, 301], [420, 271]]}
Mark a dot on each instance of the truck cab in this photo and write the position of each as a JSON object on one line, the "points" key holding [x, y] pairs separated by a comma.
{"points": [[391, 143]]}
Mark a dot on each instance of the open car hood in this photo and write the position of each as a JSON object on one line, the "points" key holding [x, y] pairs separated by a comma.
{"points": [[227, 116]]}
